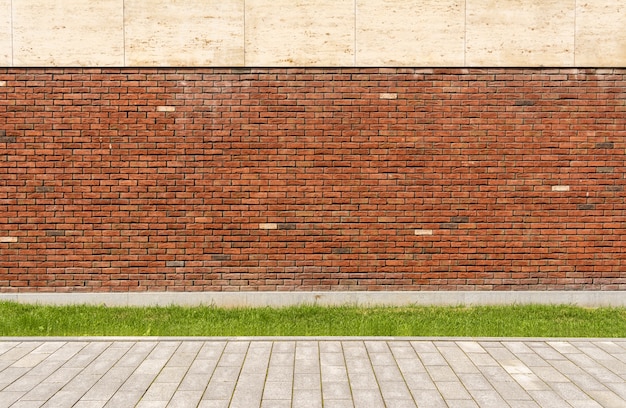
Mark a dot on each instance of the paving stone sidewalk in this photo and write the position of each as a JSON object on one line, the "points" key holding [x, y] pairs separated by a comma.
{"points": [[312, 372]]}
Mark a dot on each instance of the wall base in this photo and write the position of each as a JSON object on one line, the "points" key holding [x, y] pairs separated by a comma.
{"points": [[281, 299]]}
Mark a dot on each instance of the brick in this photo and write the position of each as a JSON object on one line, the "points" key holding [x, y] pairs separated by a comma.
{"points": [[44, 189], [374, 179], [605, 145], [449, 225], [286, 226], [388, 96], [221, 257], [268, 226]]}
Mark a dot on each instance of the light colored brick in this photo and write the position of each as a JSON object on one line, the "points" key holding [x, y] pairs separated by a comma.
{"points": [[268, 226], [388, 96]]}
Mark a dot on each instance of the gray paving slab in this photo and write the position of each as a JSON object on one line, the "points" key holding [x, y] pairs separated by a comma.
{"points": [[307, 398], [312, 372]]}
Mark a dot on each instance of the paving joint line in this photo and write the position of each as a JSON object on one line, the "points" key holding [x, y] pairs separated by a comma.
{"points": [[345, 364], [586, 371], [206, 387], [369, 358], [232, 395], [456, 374], [82, 369], [107, 371], [577, 371], [395, 360]]}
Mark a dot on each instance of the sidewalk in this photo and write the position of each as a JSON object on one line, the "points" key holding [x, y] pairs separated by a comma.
{"points": [[312, 372]]}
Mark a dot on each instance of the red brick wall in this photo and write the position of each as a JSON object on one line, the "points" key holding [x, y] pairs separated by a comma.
{"points": [[312, 179]]}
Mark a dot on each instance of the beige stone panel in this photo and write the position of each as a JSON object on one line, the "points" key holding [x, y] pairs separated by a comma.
{"points": [[68, 33], [410, 32], [6, 46], [184, 32], [300, 32], [601, 33], [520, 32]]}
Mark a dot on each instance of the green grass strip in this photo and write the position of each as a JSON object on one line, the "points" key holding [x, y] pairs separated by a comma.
{"points": [[485, 321]]}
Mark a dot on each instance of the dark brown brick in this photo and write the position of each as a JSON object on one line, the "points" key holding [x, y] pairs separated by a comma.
{"points": [[605, 145]]}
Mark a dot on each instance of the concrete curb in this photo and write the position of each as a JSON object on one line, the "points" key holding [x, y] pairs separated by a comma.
{"points": [[298, 338], [281, 299]]}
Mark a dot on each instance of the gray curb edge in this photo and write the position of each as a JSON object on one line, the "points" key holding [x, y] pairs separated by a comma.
{"points": [[282, 299]]}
